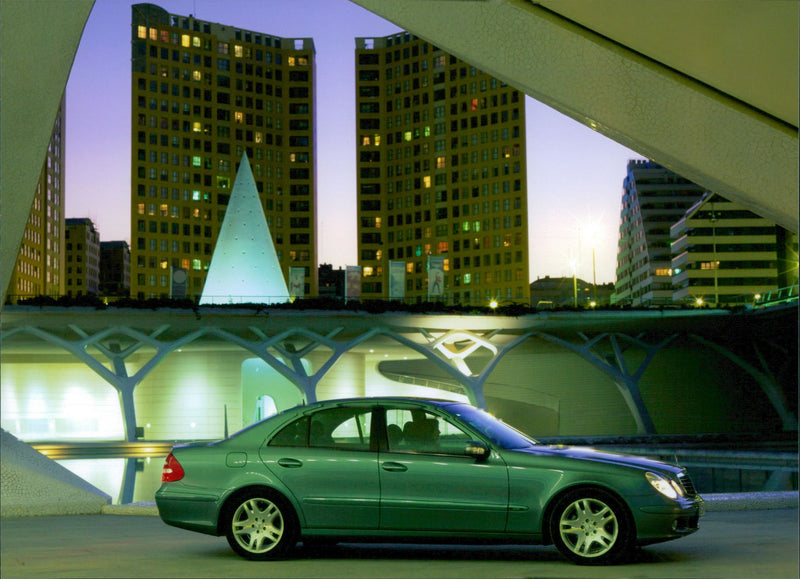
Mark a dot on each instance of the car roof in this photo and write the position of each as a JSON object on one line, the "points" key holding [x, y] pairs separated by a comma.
{"points": [[383, 399]]}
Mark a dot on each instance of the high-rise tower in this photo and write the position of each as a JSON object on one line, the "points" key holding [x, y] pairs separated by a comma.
{"points": [[441, 175], [652, 200], [39, 269], [204, 94]]}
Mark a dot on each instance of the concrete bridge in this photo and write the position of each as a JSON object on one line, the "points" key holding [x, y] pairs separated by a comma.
{"points": [[169, 374]]}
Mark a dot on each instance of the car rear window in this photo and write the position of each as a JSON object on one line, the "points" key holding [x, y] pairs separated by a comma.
{"points": [[295, 434]]}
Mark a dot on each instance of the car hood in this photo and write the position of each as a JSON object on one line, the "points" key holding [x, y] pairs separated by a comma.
{"points": [[594, 455]]}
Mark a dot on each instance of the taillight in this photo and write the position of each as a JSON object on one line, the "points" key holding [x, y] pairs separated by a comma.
{"points": [[172, 470]]}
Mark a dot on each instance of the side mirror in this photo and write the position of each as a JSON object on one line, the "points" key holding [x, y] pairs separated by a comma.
{"points": [[478, 450]]}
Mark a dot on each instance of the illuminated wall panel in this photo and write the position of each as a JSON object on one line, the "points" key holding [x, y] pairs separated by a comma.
{"points": [[58, 401], [588, 400], [261, 379], [344, 380], [185, 395]]}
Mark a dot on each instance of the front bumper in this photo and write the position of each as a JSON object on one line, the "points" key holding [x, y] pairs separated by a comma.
{"points": [[665, 522]]}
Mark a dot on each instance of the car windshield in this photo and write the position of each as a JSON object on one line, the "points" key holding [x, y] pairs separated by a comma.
{"points": [[498, 432]]}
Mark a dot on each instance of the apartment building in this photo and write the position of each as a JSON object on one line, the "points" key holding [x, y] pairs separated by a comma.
{"points": [[653, 199], [82, 257], [115, 268], [39, 269], [204, 94], [724, 254], [441, 179]]}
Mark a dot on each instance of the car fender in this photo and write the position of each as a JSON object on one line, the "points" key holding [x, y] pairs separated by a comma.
{"points": [[534, 485], [254, 477]]}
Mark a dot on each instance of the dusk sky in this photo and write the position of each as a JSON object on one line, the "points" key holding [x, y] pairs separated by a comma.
{"points": [[574, 174]]}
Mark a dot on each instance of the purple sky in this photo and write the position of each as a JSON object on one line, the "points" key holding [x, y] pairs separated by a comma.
{"points": [[574, 174]]}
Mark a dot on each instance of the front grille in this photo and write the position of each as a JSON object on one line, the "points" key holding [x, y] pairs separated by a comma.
{"points": [[687, 484]]}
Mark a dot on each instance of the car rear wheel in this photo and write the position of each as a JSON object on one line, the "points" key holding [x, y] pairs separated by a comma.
{"points": [[260, 524], [591, 527]]}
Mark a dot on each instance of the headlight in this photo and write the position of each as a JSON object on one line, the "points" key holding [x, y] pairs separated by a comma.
{"points": [[667, 487]]}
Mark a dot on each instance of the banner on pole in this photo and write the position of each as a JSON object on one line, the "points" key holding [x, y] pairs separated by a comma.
{"points": [[352, 286], [297, 282], [435, 276], [397, 280]]}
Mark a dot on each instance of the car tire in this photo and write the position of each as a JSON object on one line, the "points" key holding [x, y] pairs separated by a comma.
{"points": [[260, 524], [591, 527]]}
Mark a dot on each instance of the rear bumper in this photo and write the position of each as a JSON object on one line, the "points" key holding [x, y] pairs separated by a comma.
{"points": [[193, 513]]}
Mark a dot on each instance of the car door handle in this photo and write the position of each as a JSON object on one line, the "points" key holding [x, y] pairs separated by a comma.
{"points": [[290, 463], [394, 467]]}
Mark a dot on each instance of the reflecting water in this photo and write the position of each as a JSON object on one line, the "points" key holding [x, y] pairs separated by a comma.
{"points": [[125, 480]]}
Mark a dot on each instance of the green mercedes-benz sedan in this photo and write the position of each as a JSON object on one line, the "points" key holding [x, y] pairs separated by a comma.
{"points": [[400, 469]]}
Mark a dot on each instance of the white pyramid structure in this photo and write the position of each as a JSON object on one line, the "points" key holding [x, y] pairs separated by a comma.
{"points": [[244, 267]]}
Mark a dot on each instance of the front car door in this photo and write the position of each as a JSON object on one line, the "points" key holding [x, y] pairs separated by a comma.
{"points": [[429, 484], [325, 460]]}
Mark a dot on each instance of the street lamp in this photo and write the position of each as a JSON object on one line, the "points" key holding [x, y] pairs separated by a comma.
{"points": [[714, 263], [594, 276], [574, 265], [590, 230]]}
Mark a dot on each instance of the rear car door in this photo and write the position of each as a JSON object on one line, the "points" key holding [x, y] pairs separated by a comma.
{"points": [[429, 484], [326, 462]]}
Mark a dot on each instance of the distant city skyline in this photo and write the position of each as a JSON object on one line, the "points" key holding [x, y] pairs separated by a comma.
{"points": [[575, 175]]}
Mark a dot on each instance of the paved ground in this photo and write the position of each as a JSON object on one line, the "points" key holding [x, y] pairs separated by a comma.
{"points": [[729, 544]]}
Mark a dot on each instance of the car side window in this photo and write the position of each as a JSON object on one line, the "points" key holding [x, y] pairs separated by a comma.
{"points": [[295, 434], [420, 431], [341, 428]]}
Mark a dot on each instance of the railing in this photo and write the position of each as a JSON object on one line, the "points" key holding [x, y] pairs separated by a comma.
{"points": [[778, 296], [442, 304]]}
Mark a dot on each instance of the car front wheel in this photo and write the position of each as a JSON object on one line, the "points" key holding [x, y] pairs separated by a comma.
{"points": [[590, 527], [260, 525]]}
